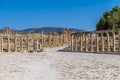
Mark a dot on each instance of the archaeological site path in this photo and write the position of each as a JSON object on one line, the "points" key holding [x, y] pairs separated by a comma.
{"points": [[54, 65]]}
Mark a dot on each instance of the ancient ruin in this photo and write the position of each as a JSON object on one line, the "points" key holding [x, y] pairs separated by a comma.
{"points": [[30, 42], [94, 41]]}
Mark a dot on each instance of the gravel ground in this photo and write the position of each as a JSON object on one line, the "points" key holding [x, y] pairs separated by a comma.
{"points": [[54, 65]]}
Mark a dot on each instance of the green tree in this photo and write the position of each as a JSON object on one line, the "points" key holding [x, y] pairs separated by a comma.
{"points": [[109, 20]]}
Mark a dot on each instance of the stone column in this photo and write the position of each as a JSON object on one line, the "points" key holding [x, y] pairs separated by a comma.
{"points": [[21, 43], [40, 43], [1, 43], [61, 39], [42, 39], [59, 43], [108, 42], [49, 39], [65, 34], [76, 43], [55, 39], [97, 43], [86, 49], [81, 46], [72, 42], [37, 44], [32, 41], [91, 42], [15, 45], [8, 43], [27, 42], [102, 42], [114, 47], [119, 40], [68, 39]]}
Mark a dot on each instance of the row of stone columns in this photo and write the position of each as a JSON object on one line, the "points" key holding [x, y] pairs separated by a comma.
{"points": [[19, 42], [57, 39], [96, 41], [7, 43]]}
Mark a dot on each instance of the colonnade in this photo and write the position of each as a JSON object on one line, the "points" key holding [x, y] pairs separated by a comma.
{"points": [[31, 41], [96, 41]]}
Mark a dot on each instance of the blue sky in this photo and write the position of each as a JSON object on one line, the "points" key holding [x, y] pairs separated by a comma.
{"points": [[81, 14]]}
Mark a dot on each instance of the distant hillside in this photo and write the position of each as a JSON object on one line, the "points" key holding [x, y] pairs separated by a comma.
{"points": [[45, 30]]}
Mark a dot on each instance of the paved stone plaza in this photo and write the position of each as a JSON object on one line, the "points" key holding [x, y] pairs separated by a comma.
{"points": [[54, 65]]}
